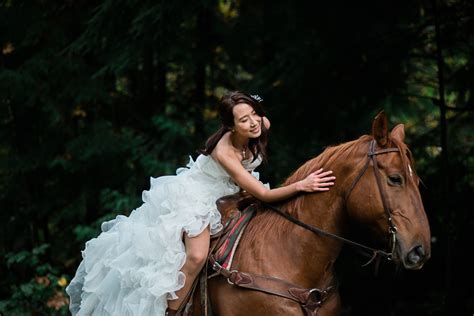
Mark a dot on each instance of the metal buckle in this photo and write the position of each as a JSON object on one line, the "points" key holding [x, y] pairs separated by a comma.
{"points": [[230, 274], [320, 297], [393, 229], [216, 266]]}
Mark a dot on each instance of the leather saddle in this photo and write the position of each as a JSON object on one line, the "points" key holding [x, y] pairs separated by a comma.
{"points": [[229, 205]]}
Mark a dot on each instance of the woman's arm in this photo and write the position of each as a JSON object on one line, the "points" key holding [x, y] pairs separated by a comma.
{"points": [[316, 181]]}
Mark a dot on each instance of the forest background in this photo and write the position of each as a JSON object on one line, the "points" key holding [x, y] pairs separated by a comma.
{"points": [[97, 96]]}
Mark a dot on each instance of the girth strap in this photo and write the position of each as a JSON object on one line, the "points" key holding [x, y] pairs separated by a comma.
{"points": [[309, 299]]}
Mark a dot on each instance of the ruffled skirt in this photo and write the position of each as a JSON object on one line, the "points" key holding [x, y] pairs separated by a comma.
{"points": [[132, 267]]}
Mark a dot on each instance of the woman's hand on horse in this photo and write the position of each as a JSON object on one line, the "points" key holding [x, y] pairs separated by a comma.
{"points": [[319, 180]]}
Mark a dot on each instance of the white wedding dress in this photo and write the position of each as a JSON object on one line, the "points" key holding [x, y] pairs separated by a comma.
{"points": [[132, 267]]}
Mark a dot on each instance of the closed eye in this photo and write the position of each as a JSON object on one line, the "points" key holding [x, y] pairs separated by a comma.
{"points": [[395, 180]]}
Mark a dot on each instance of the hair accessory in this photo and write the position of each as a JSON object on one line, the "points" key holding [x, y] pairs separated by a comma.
{"points": [[256, 97]]}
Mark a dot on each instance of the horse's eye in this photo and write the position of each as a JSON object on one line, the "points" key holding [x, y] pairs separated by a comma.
{"points": [[395, 179]]}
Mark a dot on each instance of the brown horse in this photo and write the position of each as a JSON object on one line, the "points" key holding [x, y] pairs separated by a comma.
{"points": [[376, 188]]}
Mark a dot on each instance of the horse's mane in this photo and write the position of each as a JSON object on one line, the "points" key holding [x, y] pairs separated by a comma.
{"points": [[329, 157]]}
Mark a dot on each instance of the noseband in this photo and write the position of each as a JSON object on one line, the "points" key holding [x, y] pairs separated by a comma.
{"points": [[392, 229]]}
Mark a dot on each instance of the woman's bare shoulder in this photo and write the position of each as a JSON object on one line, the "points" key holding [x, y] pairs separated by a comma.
{"points": [[223, 148]]}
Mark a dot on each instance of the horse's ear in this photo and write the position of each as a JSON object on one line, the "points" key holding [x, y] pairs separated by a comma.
{"points": [[380, 129], [398, 132]]}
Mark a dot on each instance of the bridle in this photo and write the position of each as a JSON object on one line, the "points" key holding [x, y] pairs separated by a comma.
{"points": [[392, 229]]}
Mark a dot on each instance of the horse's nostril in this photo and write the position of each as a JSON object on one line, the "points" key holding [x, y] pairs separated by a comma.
{"points": [[416, 254], [420, 250]]}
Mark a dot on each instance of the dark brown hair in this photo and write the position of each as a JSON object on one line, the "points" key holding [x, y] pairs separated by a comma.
{"points": [[256, 145]]}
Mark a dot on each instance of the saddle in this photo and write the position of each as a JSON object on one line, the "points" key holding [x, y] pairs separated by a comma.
{"points": [[231, 205]]}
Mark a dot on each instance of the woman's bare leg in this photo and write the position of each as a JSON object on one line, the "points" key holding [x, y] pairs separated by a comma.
{"points": [[196, 254]]}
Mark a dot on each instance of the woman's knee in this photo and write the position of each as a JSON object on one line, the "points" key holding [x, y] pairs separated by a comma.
{"points": [[197, 249], [196, 259]]}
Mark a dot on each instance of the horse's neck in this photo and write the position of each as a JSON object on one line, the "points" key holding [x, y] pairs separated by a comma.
{"points": [[290, 252], [323, 211], [283, 249]]}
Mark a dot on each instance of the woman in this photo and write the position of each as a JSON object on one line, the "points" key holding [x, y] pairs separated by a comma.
{"points": [[146, 263]]}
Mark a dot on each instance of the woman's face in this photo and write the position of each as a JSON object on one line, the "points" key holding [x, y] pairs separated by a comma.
{"points": [[247, 122]]}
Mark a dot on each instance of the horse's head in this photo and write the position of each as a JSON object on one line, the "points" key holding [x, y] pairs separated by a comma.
{"points": [[386, 198]]}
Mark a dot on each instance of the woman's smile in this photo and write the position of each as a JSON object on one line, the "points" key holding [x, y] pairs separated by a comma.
{"points": [[255, 129]]}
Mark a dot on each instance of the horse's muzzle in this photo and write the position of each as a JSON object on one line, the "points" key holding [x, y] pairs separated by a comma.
{"points": [[415, 258]]}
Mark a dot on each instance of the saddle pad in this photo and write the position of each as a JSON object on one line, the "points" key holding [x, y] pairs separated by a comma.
{"points": [[224, 252]]}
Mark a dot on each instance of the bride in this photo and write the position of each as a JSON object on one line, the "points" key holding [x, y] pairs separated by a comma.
{"points": [[145, 264]]}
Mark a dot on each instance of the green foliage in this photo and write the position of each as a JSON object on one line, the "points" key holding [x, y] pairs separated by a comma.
{"points": [[96, 97], [42, 294]]}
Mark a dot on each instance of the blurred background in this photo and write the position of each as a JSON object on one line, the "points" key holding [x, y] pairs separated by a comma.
{"points": [[97, 96]]}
